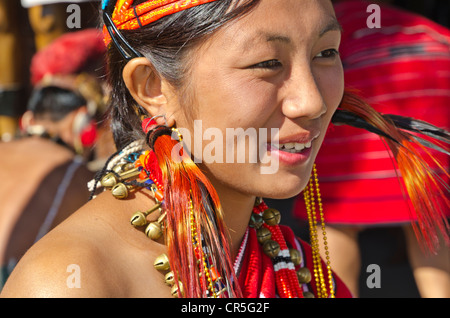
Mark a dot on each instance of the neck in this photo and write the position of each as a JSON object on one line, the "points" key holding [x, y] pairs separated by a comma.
{"points": [[237, 209]]}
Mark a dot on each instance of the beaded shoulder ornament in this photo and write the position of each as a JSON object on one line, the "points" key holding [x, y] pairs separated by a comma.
{"points": [[136, 167]]}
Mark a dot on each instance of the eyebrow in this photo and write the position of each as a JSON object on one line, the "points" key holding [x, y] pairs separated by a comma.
{"points": [[332, 25]]}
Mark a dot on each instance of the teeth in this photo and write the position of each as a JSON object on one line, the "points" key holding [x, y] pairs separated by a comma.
{"points": [[299, 146], [295, 146], [289, 145]]}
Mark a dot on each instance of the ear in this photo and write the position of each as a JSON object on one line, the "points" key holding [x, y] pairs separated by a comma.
{"points": [[27, 120], [148, 89], [29, 125]]}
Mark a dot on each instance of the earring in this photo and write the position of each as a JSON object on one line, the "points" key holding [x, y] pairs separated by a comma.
{"points": [[150, 123]]}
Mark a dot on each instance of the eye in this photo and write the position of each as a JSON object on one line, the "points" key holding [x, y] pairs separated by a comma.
{"points": [[270, 64], [328, 54]]}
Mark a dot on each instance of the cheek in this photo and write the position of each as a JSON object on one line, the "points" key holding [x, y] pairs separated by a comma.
{"points": [[331, 86], [236, 103]]}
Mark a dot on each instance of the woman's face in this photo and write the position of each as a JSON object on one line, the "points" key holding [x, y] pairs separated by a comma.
{"points": [[274, 72]]}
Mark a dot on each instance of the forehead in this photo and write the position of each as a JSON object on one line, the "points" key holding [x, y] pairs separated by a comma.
{"points": [[280, 20]]}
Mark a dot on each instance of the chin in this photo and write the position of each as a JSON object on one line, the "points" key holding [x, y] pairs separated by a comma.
{"points": [[285, 188]]}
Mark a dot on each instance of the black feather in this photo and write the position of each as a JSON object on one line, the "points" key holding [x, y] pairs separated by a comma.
{"points": [[407, 124], [343, 117], [419, 126]]}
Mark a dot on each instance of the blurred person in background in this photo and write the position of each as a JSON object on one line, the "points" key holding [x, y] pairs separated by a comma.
{"points": [[77, 59], [43, 178], [45, 172], [26, 27]]}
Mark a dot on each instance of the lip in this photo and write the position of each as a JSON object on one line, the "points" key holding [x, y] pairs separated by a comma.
{"points": [[301, 138], [292, 159]]}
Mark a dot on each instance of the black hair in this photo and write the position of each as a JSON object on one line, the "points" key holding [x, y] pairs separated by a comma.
{"points": [[54, 102], [165, 43]]}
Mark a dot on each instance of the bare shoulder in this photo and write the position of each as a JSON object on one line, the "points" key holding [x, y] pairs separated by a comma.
{"points": [[57, 264], [89, 255], [54, 270]]}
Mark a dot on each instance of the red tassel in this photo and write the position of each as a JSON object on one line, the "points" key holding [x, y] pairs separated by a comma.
{"points": [[182, 182]]}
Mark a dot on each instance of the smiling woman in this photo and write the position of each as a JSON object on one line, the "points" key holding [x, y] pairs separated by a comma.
{"points": [[211, 233]]}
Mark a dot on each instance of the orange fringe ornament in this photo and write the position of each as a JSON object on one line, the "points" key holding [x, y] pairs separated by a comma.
{"points": [[190, 197]]}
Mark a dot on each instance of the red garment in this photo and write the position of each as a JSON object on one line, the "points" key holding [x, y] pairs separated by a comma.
{"points": [[402, 68], [256, 272]]}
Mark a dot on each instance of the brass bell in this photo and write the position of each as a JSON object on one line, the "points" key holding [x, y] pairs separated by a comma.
{"points": [[139, 219], [162, 263], [304, 275], [120, 191], [263, 235], [256, 221], [272, 217], [308, 295], [154, 231], [177, 289], [109, 181], [296, 256], [271, 248], [170, 278]]}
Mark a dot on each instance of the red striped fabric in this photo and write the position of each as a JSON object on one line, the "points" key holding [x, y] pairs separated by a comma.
{"points": [[402, 68]]}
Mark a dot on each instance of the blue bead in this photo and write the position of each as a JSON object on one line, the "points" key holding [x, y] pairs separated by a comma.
{"points": [[104, 4]]}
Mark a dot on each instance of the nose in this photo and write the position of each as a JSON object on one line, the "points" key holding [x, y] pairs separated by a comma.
{"points": [[302, 97]]}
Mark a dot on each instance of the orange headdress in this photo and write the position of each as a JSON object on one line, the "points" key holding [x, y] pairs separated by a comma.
{"points": [[124, 16]]}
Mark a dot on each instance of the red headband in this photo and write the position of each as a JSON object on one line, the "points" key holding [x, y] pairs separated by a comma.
{"points": [[126, 17]]}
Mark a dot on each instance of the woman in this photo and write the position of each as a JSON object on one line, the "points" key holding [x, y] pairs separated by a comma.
{"points": [[220, 63]]}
